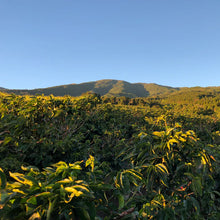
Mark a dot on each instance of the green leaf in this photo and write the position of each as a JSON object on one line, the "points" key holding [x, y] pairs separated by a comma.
{"points": [[50, 209], [31, 179], [3, 196], [31, 205], [102, 186], [91, 210], [121, 201], [7, 140], [197, 185], [83, 214], [195, 204]]}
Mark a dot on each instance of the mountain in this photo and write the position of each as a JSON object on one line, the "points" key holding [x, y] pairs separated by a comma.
{"points": [[111, 88], [103, 87]]}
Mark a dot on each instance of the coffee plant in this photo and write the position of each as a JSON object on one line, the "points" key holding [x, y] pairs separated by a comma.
{"points": [[99, 158]]}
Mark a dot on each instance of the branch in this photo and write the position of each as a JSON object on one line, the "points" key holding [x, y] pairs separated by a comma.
{"points": [[127, 212]]}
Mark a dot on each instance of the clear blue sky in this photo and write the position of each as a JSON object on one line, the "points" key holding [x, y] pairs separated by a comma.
{"points": [[54, 42]]}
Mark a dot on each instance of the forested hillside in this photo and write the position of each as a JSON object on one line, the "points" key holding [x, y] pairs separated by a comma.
{"points": [[115, 88], [101, 158], [107, 88]]}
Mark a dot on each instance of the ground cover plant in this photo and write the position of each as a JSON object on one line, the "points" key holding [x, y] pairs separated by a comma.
{"points": [[95, 157]]}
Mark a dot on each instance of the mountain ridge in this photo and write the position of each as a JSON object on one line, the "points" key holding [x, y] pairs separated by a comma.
{"points": [[107, 87]]}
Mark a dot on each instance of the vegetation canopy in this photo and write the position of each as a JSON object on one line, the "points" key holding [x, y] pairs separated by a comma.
{"points": [[105, 157]]}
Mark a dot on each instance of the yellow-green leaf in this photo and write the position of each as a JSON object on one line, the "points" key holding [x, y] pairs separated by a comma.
{"points": [[91, 162], [2, 179], [121, 201]]}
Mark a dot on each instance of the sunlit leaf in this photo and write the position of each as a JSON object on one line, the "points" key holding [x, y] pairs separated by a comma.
{"points": [[19, 191], [30, 168], [162, 168], [159, 133], [21, 178], [135, 173], [2, 179], [91, 162], [35, 216]]}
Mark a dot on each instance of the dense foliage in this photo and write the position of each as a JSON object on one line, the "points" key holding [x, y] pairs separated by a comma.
{"points": [[108, 158]]}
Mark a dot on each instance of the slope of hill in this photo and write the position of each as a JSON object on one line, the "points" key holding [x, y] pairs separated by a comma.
{"points": [[115, 88]]}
